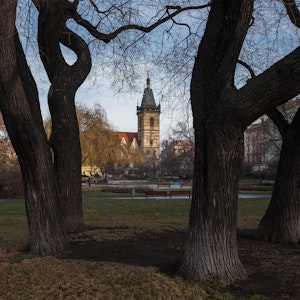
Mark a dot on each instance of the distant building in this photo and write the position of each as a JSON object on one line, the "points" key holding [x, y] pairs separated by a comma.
{"points": [[146, 141], [182, 147], [177, 157], [129, 140], [257, 146], [149, 124], [262, 140]]}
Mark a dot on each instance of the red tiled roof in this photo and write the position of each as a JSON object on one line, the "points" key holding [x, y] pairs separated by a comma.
{"points": [[128, 136], [185, 143]]}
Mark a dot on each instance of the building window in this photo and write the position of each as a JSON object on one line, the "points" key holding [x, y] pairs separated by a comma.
{"points": [[151, 142], [151, 122]]}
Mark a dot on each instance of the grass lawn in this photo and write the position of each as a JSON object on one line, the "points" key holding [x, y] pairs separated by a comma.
{"points": [[249, 181], [129, 252]]}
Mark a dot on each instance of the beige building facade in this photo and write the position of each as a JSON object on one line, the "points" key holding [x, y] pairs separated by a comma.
{"points": [[148, 134]]}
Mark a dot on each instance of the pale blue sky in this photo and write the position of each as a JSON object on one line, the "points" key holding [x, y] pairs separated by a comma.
{"points": [[268, 40], [120, 107]]}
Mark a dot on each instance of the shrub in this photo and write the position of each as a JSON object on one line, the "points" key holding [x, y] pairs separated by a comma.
{"points": [[11, 184]]}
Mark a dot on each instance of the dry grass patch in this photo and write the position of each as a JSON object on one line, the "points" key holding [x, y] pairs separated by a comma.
{"points": [[53, 278], [132, 249]]}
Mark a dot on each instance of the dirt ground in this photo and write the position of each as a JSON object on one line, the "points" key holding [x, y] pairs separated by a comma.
{"points": [[273, 270]]}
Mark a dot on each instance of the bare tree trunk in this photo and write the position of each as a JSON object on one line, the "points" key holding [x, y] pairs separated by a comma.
{"points": [[19, 106], [211, 248], [65, 80], [281, 222], [67, 156]]}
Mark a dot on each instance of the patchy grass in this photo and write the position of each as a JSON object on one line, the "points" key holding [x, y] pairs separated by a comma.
{"points": [[146, 214], [266, 192], [131, 250], [249, 181], [250, 211]]}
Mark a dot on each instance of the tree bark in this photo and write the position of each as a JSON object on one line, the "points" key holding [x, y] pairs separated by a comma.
{"points": [[281, 222], [221, 113], [25, 128], [67, 156], [211, 249], [65, 81]]}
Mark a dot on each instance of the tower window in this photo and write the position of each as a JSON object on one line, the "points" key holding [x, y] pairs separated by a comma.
{"points": [[151, 142], [151, 122]]}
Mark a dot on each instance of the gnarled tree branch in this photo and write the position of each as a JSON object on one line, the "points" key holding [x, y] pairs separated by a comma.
{"points": [[107, 37], [292, 11], [279, 120], [242, 63]]}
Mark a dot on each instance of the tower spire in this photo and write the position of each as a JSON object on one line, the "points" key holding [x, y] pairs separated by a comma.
{"points": [[149, 124]]}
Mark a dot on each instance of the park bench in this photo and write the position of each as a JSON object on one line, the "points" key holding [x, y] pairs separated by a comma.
{"points": [[267, 182], [164, 184], [189, 183], [180, 193], [153, 193]]}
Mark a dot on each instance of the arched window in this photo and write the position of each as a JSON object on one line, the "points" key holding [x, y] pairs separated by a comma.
{"points": [[151, 122]]}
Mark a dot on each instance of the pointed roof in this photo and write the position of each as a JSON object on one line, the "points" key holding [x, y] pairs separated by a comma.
{"points": [[148, 97], [128, 136]]}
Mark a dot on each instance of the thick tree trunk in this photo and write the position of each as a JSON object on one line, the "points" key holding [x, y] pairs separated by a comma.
{"points": [[211, 249], [281, 222], [65, 80], [46, 234], [67, 156]]}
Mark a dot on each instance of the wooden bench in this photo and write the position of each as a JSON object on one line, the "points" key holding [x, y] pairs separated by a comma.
{"points": [[164, 184], [180, 193], [186, 184], [267, 182], [153, 193]]}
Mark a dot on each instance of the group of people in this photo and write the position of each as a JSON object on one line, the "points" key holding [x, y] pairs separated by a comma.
{"points": [[183, 177]]}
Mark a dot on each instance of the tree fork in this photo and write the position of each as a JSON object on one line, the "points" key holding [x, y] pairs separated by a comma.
{"points": [[211, 248], [65, 81]]}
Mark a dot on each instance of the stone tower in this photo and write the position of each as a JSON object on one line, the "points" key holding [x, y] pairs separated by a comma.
{"points": [[149, 124]]}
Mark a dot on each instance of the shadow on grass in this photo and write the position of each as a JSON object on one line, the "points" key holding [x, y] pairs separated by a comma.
{"points": [[272, 268], [163, 249]]}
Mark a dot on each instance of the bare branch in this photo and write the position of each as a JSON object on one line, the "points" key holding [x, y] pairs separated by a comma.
{"points": [[292, 11], [242, 63], [95, 6], [74, 42], [279, 120], [276, 116], [107, 37], [181, 24]]}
